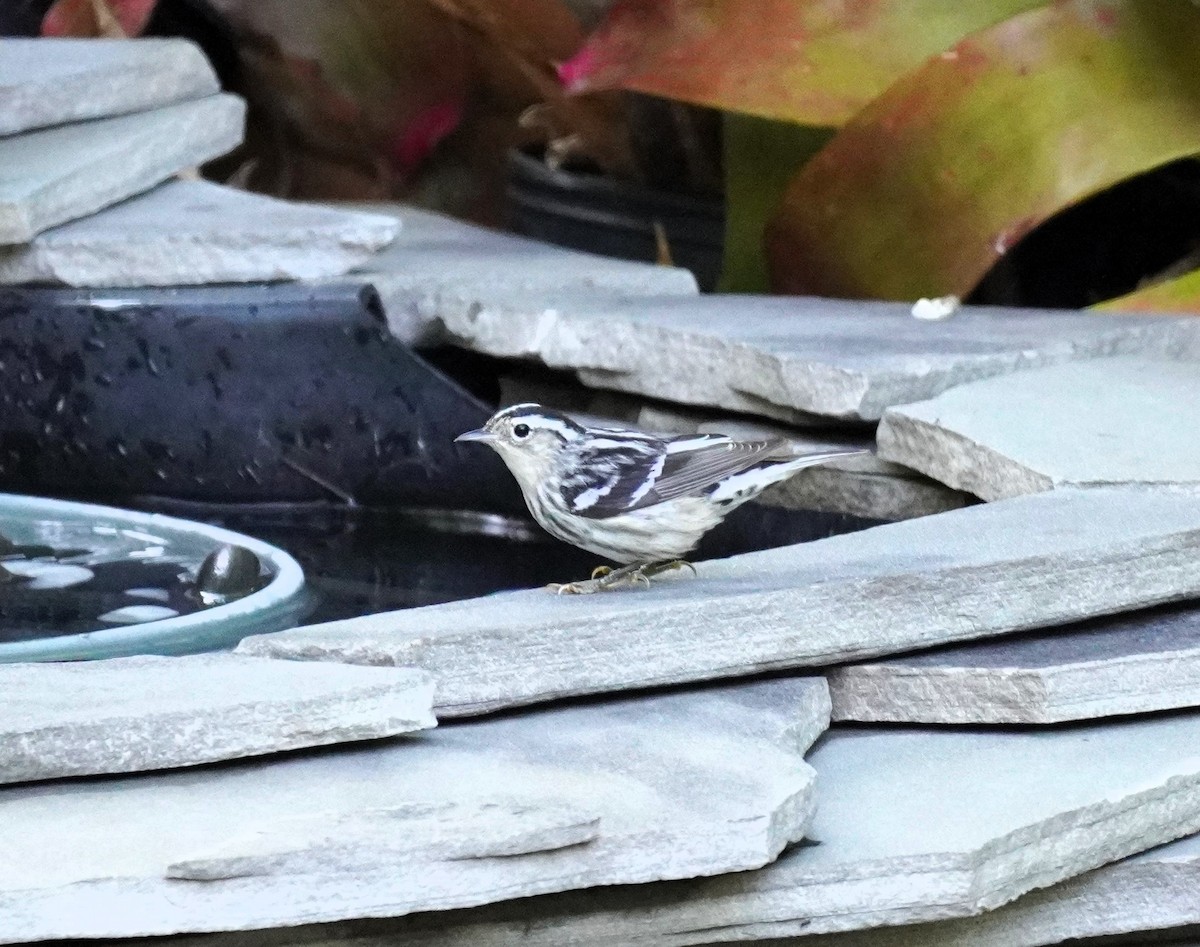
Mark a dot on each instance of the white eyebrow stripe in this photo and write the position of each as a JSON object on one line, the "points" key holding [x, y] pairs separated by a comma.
{"points": [[593, 495], [548, 424], [651, 479]]}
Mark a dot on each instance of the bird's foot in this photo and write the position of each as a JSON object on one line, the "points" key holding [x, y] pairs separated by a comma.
{"points": [[574, 588], [594, 584], [604, 578]]}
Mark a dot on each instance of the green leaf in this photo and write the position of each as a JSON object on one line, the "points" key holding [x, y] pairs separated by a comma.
{"points": [[926, 188], [814, 62], [760, 158]]}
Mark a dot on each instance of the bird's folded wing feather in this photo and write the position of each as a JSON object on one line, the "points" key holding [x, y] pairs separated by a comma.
{"points": [[612, 481]]}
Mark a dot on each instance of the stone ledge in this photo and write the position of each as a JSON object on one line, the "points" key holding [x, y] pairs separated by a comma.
{"points": [[630, 791], [1107, 421], [972, 573], [1127, 664], [186, 233], [61, 174], [132, 714], [47, 81]]}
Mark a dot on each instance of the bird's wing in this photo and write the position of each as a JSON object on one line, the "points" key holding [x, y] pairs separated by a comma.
{"points": [[611, 480]]}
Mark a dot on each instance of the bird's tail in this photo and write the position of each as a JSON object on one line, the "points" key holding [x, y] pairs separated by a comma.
{"points": [[798, 458]]}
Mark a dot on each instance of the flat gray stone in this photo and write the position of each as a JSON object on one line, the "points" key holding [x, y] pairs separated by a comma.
{"points": [[794, 358], [1108, 421], [1127, 664], [667, 786], [1151, 892], [53, 81], [867, 487], [58, 174], [911, 826], [981, 571], [196, 232], [131, 714], [441, 270]]}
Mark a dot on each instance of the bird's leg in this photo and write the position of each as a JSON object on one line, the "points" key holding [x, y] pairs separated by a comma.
{"points": [[631, 573], [658, 568], [642, 572]]}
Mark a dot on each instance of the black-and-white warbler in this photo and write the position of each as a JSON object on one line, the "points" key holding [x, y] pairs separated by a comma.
{"points": [[641, 500]]}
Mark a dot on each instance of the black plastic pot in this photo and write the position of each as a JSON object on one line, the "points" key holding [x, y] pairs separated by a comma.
{"points": [[232, 393], [588, 211]]}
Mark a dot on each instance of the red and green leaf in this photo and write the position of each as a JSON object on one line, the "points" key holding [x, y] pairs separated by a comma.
{"points": [[809, 61], [934, 181]]}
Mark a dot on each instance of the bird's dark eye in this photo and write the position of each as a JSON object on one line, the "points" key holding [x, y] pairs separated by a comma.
{"points": [[521, 431]]}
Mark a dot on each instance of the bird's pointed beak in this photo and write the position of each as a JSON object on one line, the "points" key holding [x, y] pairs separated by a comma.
{"points": [[481, 435]]}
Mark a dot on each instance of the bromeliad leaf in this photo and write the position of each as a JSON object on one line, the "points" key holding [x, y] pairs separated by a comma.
{"points": [[926, 188], [809, 61]]}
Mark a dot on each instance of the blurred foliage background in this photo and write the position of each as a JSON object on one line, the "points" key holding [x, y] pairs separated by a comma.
{"points": [[1010, 151]]}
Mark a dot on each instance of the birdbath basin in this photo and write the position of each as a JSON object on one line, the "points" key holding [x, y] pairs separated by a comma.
{"points": [[82, 581]]}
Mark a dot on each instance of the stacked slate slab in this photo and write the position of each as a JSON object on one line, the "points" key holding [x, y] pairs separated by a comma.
{"points": [[799, 360], [911, 826], [1009, 571], [92, 132], [631, 791], [634, 767], [972, 573], [128, 715]]}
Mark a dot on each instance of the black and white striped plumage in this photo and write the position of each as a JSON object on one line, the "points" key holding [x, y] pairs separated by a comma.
{"points": [[631, 497]]}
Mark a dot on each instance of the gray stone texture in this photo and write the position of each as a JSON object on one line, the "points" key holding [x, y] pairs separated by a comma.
{"points": [[658, 787], [1128, 664], [1151, 892], [58, 174], [53, 81], [864, 486], [793, 359], [439, 269], [912, 826], [131, 714], [195, 232], [973, 573], [1108, 421]]}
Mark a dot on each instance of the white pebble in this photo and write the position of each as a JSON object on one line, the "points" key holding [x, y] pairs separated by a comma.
{"points": [[936, 309]]}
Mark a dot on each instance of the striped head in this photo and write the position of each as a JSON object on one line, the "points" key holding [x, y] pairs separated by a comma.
{"points": [[528, 438]]}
